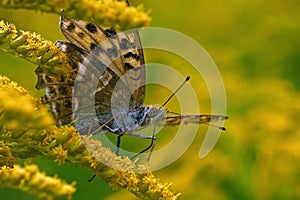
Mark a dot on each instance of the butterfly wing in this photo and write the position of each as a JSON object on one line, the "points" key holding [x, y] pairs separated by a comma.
{"points": [[120, 52], [105, 61], [59, 89], [101, 54]]}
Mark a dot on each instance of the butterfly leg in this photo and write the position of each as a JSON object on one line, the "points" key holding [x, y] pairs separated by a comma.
{"points": [[151, 146], [153, 143], [92, 178], [120, 134], [152, 137]]}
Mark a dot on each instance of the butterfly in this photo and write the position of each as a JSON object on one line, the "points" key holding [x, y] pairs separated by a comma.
{"points": [[106, 90]]}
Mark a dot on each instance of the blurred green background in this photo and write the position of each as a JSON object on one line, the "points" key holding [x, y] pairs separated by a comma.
{"points": [[256, 46]]}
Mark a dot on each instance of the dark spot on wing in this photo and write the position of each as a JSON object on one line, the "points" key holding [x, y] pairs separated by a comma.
{"points": [[80, 34], [73, 64], [112, 52], [91, 28], [48, 79], [58, 107], [63, 89], [92, 46], [52, 91], [68, 104], [128, 66], [97, 50], [132, 45], [131, 55], [124, 44], [71, 27], [61, 78], [110, 32]]}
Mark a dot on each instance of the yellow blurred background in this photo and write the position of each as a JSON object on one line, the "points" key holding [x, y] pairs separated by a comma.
{"points": [[255, 45]]}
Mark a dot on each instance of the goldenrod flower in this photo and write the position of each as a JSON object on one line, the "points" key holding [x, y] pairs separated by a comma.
{"points": [[111, 13], [32, 47], [29, 179]]}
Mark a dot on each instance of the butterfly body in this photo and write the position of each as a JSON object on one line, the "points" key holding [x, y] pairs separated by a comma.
{"points": [[136, 119]]}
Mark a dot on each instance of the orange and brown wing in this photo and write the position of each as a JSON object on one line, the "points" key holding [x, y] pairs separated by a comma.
{"points": [[96, 52], [120, 52]]}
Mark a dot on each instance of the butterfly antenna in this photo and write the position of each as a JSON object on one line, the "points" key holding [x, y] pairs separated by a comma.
{"points": [[186, 80]]}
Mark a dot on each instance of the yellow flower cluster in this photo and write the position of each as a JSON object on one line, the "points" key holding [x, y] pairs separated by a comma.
{"points": [[29, 179], [17, 118], [27, 130], [34, 48], [19, 121], [111, 13]]}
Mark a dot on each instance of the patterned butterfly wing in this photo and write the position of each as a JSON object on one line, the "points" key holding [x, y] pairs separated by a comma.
{"points": [[58, 92], [116, 60], [96, 54], [120, 52]]}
